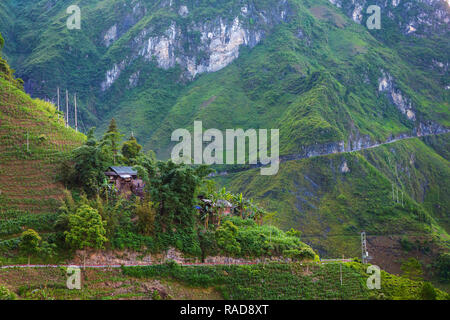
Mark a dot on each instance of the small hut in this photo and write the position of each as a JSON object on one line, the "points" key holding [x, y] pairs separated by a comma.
{"points": [[126, 181]]}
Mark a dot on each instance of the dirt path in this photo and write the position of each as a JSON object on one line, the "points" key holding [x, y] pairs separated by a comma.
{"points": [[325, 261], [118, 266]]}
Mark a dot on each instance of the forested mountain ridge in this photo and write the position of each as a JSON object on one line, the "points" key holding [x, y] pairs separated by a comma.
{"points": [[301, 66]]}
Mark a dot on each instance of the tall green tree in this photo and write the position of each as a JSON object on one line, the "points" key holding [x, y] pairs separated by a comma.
{"points": [[442, 266], [130, 150], [89, 164], [29, 243], [113, 137], [86, 229], [173, 187]]}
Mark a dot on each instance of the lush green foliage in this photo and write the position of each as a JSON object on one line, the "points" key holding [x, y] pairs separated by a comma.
{"points": [[331, 207], [86, 229], [131, 149], [33, 142], [316, 77], [412, 269], [428, 292], [2, 42], [286, 281], [245, 238], [5, 294], [31, 244], [442, 266]]}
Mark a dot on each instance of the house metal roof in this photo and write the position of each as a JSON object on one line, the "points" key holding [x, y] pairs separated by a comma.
{"points": [[124, 171]]}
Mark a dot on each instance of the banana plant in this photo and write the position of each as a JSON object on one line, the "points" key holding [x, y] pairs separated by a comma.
{"points": [[240, 204], [259, 215]]}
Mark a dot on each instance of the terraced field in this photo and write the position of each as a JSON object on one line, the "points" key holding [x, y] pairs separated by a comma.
{"points": [[28, 170], [33, 142], [287, 281]]}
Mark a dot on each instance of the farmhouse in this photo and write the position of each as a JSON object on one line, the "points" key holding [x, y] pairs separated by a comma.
{"points": [[126, 181]]}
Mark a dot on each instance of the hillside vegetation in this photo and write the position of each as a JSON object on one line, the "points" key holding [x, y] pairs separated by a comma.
{"points": [[33, 143], [272, 281], [331, 199], [315, 73], [39, 155], [310, 68]]}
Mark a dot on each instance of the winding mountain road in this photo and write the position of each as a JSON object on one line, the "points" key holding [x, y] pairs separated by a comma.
{"points": [[313, 153]]}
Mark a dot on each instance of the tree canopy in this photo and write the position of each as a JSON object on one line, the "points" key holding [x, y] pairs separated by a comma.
{"points": [[86, 229], [29, 243], [130, 150], [2, 42]]}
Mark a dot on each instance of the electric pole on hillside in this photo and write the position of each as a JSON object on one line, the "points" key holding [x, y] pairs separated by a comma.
{"points": [[58, 102], [402, 199], [76, 120], [364, 253], [67, 108]]}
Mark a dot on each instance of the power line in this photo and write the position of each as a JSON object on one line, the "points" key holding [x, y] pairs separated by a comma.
{"points": [[67, 108], [76, 120]]}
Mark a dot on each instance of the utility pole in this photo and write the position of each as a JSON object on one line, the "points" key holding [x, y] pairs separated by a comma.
{"points": [[67, 108], [58, 102], [76, 120], [364, 253]]}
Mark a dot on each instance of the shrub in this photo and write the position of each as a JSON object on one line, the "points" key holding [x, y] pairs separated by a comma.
{"points": [[156, 295], [226, 238], [412, 269], [442, 266], [146, 212], [428, 292], [406, 244], [208, 243], [5, 294]]}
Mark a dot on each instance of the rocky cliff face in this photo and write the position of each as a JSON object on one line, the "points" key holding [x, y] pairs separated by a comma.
{"points": [[411, 16], [197, 46], [358, 142], [404, 105]]}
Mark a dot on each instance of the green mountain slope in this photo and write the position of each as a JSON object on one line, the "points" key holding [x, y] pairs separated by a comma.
{"points": [[33, 141], [287, 282], [314, 73], [310, 68], [331, 199]]}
